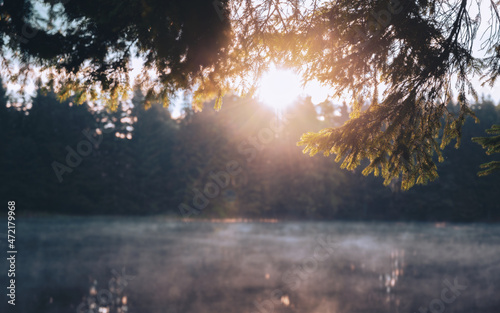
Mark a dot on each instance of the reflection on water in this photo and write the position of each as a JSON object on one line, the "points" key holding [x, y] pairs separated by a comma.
{"points": [[179, 267], [390, 279], [396, 269], [110, 299]]}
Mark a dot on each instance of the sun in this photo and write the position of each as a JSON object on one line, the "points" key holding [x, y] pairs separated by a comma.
{"points": [[279, 88]]}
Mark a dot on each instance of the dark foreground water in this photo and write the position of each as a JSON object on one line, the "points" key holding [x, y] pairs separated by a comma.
{"points": [[145, 265]]}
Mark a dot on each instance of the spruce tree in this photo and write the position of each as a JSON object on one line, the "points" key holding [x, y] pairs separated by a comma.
{"points": [[398, 58]]}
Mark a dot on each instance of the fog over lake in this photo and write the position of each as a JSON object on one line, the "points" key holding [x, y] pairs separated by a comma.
{"points": [[159, 265]]}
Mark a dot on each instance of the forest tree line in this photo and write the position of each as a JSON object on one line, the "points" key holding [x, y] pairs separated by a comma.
{"points": [[243, 161]]}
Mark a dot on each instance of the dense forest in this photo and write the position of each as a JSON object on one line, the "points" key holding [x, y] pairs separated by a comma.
{"points": [[243, 161]]}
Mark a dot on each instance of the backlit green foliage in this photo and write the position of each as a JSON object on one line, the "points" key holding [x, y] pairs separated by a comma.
{"points": [[410, 48], [397, 58], [492, 145]]}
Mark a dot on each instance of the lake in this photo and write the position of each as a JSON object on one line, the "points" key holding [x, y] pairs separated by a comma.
{"points": [[71, 264]]}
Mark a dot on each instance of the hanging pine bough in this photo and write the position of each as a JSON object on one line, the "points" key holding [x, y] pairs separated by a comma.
{"points": [[85, 48], [413, 48], [398, 140], [492, 145], [410, 51]]}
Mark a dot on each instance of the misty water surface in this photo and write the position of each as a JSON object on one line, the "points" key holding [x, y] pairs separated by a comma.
{"points": [[152, 265]]}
